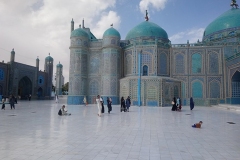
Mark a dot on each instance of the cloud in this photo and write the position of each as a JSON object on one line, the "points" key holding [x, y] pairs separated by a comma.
{"points": [[104, 23], [192, 35], [155, 4], [38, 27]]}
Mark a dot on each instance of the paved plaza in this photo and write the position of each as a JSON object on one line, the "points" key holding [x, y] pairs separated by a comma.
{"points": [[34, 131]]}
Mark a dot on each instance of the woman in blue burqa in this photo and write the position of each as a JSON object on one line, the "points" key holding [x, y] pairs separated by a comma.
{"points": [[191, 103]]}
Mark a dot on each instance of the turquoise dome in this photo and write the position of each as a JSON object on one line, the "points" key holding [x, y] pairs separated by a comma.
{"points": [[49, 58], [59, 65], [147, 29], [79, 32], [111, 32], [229, 19]]}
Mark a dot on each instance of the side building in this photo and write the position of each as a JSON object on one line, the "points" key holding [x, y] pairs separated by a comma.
{"points": [[23, 80]]}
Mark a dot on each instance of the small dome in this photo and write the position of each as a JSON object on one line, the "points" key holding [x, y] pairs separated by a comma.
{"points": [[49, 58], [111, 32], [227, 20], [13, 51], [147, 29], [79, 32], [59, 65]]}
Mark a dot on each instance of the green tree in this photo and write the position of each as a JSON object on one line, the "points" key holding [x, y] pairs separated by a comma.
{"points": [[65, 87]]}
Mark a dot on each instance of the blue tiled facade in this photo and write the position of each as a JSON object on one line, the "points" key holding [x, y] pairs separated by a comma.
{"points": [[204, 70]]}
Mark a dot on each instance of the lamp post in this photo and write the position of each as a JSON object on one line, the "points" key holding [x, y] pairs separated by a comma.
{"points": [[139, 77]]}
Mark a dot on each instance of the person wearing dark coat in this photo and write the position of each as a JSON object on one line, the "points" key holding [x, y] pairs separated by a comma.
{"points": [[174, 104], [128, 103], [12, 101], [109, 104], [191, 103], [123, 107], [101, 100]]}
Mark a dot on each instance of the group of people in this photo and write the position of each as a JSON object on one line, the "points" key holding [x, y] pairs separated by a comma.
{"points": [[176, 104], [12, 101], [100, 105], [125, 104]]}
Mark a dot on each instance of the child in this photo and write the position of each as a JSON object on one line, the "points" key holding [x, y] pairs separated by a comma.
{"points": [[3, 105], [197, 125]]}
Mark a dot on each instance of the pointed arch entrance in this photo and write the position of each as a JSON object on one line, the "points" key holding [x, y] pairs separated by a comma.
{"points": [[1, 90], [40, 92], [24, 87], [236, 84]]}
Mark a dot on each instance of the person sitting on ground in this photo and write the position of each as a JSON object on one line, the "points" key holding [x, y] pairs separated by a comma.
{"points": [[197, 125], [64, 111]]}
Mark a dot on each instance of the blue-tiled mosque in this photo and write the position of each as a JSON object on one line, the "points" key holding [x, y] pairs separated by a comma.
{"points": [[22, 80], [208, 71]]}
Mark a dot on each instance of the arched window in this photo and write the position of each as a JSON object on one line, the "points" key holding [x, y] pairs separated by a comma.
{"points": [[145, 70], [1, 90], [196, 63], [236, 84], [197, 90], [213, 63], [163, 63], [214, 90], [179, 64], [1, 74], [113, 41]]}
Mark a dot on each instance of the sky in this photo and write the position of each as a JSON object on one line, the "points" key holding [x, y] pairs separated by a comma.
{"points": [[35, 28]]}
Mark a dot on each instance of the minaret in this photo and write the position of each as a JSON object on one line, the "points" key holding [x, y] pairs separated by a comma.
{"points": [[83, 23], [12, 55], [11, 75], [48, 67], [59, 79], [72, 25], [37, 64]]}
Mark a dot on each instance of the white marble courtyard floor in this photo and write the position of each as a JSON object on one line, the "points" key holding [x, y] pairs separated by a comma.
{"points": [[34, 131]]}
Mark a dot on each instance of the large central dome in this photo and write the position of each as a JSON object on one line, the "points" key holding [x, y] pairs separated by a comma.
{"points": [[147, 29], [229, 19]]}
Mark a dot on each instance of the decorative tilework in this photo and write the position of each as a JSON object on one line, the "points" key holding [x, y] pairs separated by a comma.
{"points": [[152, 93], [94, 88], [147, 60], [94, 65], [40, 80], [179, 65], [197, 89], [175, 91], [163, 63], [113, 86], [1, 74], [213, 63], [214, 90], [128, 64], [196, 63]]}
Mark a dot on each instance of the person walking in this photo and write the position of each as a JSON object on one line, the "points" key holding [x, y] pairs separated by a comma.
{"points": [[123, 107], [3, 104], [102, 102], [128, 103], [29, 97], [174, 106], [85, 100], [56, 97], [99, 105], [12, 101], [109, 104], [179, 102], [191, 103]]}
